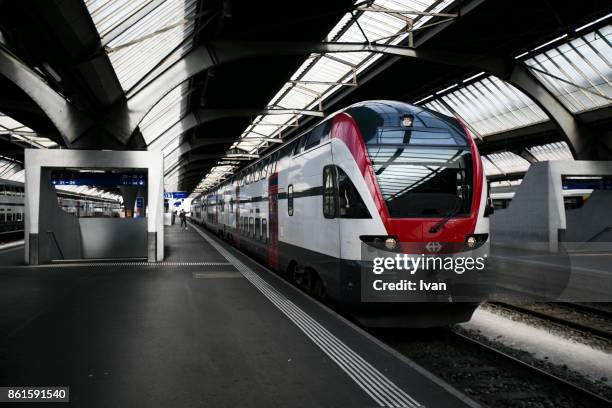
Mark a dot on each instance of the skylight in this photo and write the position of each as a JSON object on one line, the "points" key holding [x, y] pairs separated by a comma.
{"points": [[384, 21], [18, 133], [142, 37]]}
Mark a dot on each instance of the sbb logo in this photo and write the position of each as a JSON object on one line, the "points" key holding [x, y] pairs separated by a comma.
{"points": [[433, 246]]}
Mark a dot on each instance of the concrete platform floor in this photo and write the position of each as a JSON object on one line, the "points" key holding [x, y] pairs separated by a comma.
{"points": [[206, 328]]}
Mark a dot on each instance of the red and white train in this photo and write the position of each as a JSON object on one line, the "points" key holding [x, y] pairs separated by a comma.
{"points": [[378, 170]]}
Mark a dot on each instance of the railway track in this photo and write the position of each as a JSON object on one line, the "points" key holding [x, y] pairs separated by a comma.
{"points": [[580, 317], [603, 310], [488, 374], [588, 395]]}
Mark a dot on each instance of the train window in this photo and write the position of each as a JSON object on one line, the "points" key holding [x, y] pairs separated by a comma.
{"points": [[264, 230], [2, 217], [317, 134], [256, 173], [330, 202], [299, 148], [251, 226], [350, 203], [258, 228], [290, 199], [327, 126]]}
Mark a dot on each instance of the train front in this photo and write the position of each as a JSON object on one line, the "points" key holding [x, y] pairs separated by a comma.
{"points": [[426, 177]]}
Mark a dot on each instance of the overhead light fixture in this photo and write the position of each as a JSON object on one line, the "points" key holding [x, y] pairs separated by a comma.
{"points": [[446, 89], [424, 99], [473, 77], [549, 42], [593, 22]]}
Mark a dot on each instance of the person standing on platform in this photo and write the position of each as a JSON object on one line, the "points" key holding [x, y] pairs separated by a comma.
{"points": [[183, 218]]}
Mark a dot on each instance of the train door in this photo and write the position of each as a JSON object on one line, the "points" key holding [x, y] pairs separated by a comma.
{"points": [[273, 220], [330, 232], [217, 208], [237, 224]]}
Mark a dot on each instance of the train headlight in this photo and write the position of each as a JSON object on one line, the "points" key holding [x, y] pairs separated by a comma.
{"points": [[390, 243], [471, 242], [475, 241], [407, 121]]}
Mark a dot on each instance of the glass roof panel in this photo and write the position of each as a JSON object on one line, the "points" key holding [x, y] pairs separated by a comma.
{"points": [[489, 106], [336, 69], [9, 167], [169, 110], [504, 163], [486, 104], [578, 71], [331, 72], [18, 133], [139, 49], [552, 151], [107, 15]]}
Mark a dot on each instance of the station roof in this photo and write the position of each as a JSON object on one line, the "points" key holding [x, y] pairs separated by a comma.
{"points": [[100, 55]]}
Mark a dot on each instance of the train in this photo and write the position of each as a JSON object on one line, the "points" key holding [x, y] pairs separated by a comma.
{"points": [[12, 194], [378, 171]]}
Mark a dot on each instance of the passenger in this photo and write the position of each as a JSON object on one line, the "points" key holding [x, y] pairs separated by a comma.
{"points": [[183, 218]]}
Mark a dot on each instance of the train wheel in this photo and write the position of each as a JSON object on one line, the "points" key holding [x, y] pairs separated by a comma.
{"points": [[288, 273], [317, 288], [299, 277], [309, 281]]}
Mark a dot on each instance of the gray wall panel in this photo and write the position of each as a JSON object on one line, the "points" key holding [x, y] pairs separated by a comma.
{"points": [[114, 237]]}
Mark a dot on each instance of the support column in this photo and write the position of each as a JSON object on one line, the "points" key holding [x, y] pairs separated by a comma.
{"points": [[129, 199]]}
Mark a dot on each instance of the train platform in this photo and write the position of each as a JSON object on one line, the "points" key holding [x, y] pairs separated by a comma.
{"points": [[206, 327]]}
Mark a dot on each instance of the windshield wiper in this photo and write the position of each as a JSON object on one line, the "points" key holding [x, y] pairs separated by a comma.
{"points": [[454, 211]]}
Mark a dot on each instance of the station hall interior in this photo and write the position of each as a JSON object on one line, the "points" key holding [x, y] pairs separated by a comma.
{"points": [[193, 194]]}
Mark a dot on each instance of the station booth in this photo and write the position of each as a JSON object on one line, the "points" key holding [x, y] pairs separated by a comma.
{"points": [[51, 234]]}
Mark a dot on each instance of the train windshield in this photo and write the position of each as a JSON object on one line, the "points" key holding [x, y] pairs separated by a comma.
{"points": [[419, 181], [421, 158], [416, 137]]}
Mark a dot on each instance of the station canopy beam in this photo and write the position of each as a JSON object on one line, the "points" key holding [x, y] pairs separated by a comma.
{"points": [[202, 116], [577, 135], [70, 122]]}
